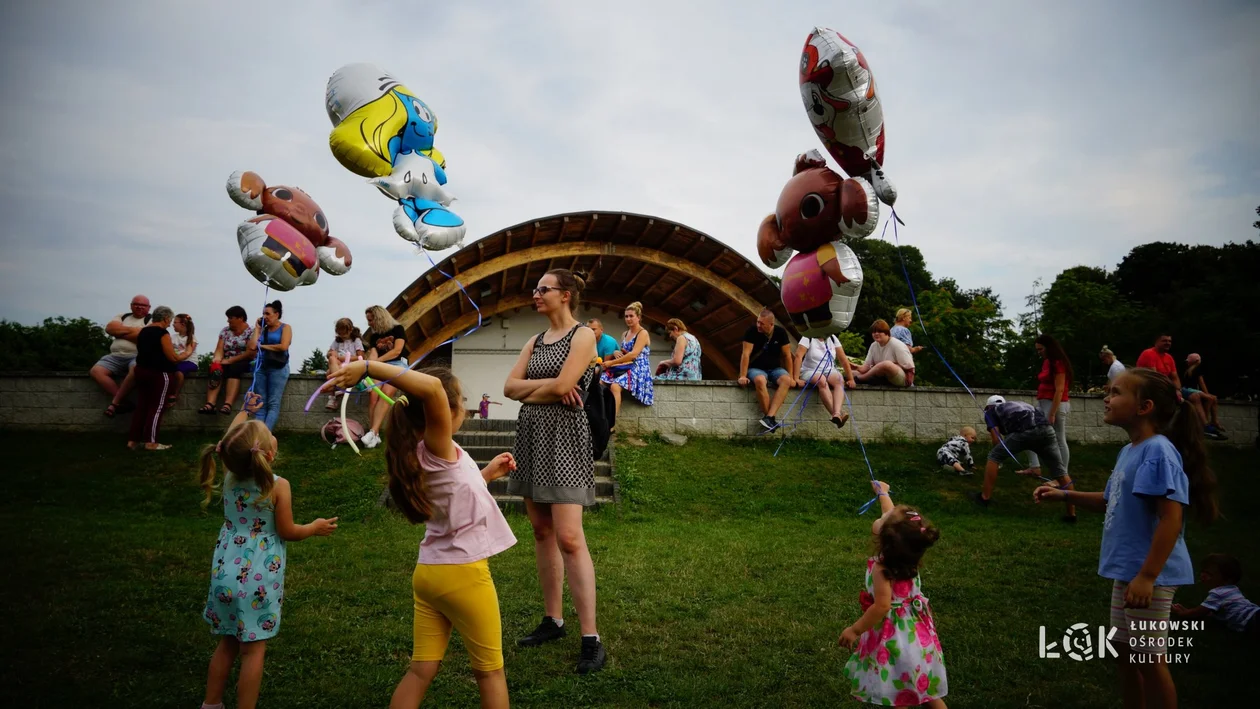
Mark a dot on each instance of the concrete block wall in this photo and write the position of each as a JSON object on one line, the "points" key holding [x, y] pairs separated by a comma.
{"points": [[72, 401], [722, 408]]}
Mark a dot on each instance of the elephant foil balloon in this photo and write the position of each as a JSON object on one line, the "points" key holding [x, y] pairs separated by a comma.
{"points": [[288, 242], [383, 131], [817, 209]]}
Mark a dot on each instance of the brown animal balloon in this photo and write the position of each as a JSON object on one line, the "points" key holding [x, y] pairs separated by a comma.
{"points": [[283, 245], [817, 209]]}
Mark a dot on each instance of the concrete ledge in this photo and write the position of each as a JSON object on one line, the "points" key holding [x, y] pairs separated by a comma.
{"points": [[71, 401]]}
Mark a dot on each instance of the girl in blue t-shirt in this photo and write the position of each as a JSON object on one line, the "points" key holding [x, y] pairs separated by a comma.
{"points": [[1163, 470]]}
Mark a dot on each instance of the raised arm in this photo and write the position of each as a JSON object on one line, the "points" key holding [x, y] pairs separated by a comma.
{"points": [[282, 498]]}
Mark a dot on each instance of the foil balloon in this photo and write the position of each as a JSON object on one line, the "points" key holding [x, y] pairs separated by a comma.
{"points": [[817, 210], [287, 244], [841, 100], [383, 131]]}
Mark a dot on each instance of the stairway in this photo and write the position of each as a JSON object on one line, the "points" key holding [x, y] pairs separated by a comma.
{"points": [[483, 439]]}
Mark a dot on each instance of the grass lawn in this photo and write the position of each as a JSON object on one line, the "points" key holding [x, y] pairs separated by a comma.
{"points": [[725, 578]]}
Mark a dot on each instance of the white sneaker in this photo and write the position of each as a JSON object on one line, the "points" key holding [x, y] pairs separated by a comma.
{"points": [[371, 439]]}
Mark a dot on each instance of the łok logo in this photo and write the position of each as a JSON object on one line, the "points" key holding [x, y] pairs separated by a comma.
{"points": [[1078, 643]]}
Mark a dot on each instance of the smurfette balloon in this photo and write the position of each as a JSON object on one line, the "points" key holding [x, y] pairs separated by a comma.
{"points": [[383, 131]]}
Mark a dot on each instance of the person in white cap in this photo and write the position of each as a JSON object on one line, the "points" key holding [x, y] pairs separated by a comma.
{"points": [[1016, 426]]}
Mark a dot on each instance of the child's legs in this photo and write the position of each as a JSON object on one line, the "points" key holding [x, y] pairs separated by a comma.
{"points": [[414, 685], [492, 684], [473, 608], [220, 667], [1143, 673], [249, 684], [430, 633]]}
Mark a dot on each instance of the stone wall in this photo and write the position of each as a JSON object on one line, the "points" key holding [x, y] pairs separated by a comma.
{"points": [[71, 401], [721, 408]]}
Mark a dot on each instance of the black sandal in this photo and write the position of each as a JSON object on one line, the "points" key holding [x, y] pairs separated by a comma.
{"points": [[225, 409], [207, 409]]}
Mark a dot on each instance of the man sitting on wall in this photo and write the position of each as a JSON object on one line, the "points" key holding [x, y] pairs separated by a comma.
{"points": [[888, 361], [766, 357], [122, 354]]}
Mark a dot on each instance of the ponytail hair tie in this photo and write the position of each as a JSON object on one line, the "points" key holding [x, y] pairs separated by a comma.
{"points": [[218, 448], [912, 515], [255, 448]]}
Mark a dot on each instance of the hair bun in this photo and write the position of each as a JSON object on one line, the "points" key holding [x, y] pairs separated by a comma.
{"points": [[581, 278]]}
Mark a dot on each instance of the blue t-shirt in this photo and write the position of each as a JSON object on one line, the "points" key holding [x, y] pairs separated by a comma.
{"points": [[1229, 605], [606, 346], [901, 332], [1143, 473]]}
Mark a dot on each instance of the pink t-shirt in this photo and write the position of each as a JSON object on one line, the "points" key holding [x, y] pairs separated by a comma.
{"points": [[466, 525]]}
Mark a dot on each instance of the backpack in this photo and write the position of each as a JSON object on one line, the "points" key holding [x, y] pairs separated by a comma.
{"points": [[599, 407], [333, 433]]}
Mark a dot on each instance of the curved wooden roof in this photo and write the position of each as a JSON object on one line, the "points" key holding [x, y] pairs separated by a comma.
{"points": [[675, 271]]}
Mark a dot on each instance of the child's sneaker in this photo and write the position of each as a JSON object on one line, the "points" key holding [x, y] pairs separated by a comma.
{"points": [[332, 402], [371, 439]]}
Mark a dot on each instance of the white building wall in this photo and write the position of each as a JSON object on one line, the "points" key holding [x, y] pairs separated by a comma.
{"points": [[483, 359]]}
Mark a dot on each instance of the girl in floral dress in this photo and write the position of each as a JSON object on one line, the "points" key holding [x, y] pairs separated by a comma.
{"points": [[897, 658], [632, 371], [248, 565]]}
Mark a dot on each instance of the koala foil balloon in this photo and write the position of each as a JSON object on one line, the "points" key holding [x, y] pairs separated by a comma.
{"points": [[383, 131], [288, 242], [817, 209]]}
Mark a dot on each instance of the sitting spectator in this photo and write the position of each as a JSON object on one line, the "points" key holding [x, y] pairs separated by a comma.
{"points": [[122, 354], [185, 342], [1014, 427], [684, 363], [1114, 367], [1221, 574], [386, 342], [901, 330], [888, 361], [956, 453], [766, 358], [1195, 386], [155, 370], [233, 359], [483, 409], [347, 346], [815, 364], [630, 368], [1157, 357], [605, 344]]}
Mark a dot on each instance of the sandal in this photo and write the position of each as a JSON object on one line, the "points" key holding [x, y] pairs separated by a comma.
{"points": [[110, 411], [840, 420], [157, 447], [170, 400], [225, 409], [207, 409]]}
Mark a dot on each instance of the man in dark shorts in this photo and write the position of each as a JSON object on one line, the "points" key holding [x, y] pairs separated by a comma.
{"points": [[767, 357], [1014, 427]]}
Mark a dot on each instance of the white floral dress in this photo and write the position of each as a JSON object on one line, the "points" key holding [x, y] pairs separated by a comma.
{"points": [[898, 662]]}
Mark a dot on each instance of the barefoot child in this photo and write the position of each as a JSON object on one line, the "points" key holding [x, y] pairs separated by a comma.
{"points": [[248, 565], [1221, 574], [897, 658], [435, 482], [1162, 470], [957, 451]]}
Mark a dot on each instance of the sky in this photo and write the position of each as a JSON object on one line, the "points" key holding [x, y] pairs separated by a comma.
{"points": [[1024, 138]]}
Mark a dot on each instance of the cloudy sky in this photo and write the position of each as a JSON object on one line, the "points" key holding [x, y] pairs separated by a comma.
{"points": [[1024, 137]]}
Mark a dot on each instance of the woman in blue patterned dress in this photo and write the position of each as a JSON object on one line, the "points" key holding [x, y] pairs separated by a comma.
{"points": [[631, 371], [684, 365], [248, 565]]}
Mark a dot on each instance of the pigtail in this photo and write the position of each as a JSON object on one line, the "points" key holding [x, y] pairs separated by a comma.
{"points": [[1186, 433], [407, 484], [208, 471]]}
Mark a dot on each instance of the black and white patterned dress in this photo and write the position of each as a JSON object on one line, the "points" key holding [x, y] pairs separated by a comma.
{"points": [[554, 463]]}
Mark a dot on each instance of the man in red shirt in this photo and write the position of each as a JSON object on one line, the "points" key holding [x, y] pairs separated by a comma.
{"points": [[1157, 358]]}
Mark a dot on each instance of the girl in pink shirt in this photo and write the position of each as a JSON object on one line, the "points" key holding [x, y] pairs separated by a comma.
{"points": [[432, 480]]}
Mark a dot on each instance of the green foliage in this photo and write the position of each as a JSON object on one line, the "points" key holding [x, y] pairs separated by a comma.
{"points": [[854, 344], [55, 345], [317, 362], [203, 362]]}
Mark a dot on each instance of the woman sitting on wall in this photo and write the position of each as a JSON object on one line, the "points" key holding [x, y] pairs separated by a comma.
{"points": [[684, 364]]}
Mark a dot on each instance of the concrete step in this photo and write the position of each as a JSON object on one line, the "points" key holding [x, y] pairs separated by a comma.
{"points": [[504, 425]]}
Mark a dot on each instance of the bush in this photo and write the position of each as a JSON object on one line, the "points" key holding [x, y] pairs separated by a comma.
{"points": [[56, 345]]}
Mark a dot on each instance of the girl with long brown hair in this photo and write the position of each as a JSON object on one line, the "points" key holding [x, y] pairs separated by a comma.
{"points": [[435, 482]]}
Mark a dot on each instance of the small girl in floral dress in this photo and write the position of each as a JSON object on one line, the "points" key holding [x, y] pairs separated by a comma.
{"points": [[897, 659]]}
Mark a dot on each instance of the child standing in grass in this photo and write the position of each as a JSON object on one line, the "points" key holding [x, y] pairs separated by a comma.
{"points": [[1161, 471], [435, 482], [897, 658], [247, 574]]}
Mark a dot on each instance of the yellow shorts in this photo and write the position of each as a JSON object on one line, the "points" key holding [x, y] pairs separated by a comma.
{"points": [[462, 596]]}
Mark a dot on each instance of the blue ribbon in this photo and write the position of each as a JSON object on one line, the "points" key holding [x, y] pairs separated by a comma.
{"points": [[258, 355]]}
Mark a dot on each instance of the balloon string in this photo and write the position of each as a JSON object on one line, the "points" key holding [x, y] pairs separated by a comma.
{"points": [[258, 358], [805, 394]]}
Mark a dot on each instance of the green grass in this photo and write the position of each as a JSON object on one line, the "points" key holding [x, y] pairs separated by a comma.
{"points": [[724, 580]]}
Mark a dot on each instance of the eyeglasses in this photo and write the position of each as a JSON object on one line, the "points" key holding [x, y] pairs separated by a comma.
{"points": [[139, 305], [544, 290]]}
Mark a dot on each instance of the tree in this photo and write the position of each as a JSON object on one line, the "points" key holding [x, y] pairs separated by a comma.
{"points": [[317, 362], [1083, 310], [56, 345]]}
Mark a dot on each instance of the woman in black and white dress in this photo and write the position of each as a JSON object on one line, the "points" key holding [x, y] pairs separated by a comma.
{"points": [[555, 467]]}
